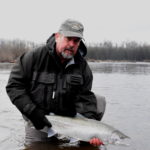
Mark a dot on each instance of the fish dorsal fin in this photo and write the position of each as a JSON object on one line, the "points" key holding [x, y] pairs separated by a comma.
{"points": [[51, 132], [73, 140], [78, 115]]}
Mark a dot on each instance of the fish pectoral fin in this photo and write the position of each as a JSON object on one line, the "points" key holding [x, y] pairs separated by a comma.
{"points": [[73, 140], [51, 133]]}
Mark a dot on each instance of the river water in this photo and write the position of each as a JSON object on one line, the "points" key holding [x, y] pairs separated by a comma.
{"points": [[126, 87]]}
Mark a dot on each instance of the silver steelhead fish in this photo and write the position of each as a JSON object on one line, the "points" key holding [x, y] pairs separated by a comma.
{"points": [[84, 129]]}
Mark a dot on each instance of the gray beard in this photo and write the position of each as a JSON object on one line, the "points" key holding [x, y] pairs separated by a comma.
{"points": [[65, 56]]}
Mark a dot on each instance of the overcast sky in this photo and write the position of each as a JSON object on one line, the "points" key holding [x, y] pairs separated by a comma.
{"points": [[113, 20]]}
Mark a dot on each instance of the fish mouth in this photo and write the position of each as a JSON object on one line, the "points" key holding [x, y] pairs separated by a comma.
{"points": [[118, 138], [120, 134]]}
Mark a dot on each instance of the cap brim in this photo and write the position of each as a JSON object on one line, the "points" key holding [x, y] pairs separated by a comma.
{"points": [[71, 34]]}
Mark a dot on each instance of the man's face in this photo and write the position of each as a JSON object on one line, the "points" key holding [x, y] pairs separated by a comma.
{"points": [[66, 47]]}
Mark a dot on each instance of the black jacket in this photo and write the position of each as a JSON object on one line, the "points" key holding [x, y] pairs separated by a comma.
{"points": [[38, 79]]}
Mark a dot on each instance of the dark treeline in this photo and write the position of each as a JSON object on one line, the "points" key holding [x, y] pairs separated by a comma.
{"points": [[10, 50], [127, 51]]}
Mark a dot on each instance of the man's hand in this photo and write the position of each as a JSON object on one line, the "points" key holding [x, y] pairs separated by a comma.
{"points": [[38, 119], [96, 142]]}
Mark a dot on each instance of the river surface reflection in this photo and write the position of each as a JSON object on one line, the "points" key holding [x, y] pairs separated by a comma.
{"points": [[126, 88]]}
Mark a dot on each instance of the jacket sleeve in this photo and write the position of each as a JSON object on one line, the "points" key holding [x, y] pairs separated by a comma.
{"points": [[86, 101], [17, 87]]}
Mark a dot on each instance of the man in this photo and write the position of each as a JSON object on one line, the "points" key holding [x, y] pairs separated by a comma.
{"points": [[54, 78]]}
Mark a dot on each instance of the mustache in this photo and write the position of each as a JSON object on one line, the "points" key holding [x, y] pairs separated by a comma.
{"points": [[69, 49]]}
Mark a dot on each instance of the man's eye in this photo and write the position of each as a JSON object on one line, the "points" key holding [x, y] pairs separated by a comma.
{"points": [[69, 38], [77, 40]]}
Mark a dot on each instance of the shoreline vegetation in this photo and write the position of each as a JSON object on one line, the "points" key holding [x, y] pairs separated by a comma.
{"points": [[131, 51]]}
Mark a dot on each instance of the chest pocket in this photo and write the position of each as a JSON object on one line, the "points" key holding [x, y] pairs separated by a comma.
{"points": [[42, 87], [74, 82]]}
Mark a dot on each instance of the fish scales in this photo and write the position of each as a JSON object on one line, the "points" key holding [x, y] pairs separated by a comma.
{"points": [[84, 129]]}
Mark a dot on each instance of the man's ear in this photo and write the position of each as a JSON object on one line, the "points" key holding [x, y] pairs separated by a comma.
{"points": [[57, 35]]}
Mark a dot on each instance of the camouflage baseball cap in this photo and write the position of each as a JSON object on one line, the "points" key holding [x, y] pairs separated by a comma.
{"points": [[71, 28]]}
